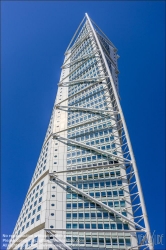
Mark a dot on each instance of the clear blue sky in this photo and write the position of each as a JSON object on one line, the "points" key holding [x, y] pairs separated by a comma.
{"points": [[34, 38]]}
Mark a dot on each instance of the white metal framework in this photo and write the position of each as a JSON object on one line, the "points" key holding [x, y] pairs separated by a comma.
{"points": [[89, 101]]}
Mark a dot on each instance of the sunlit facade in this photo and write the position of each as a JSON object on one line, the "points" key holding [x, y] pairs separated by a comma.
{"points": [[85, 192]]}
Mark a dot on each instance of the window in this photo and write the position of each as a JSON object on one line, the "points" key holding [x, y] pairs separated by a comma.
{"points": [[74, 205], [113, 226], [112, 174], [68, 196], [103, 194], [74, 216], [94, 241], [74, 196], [100, 226], [68, 239], [108, 241], [35, 240], [29, 243], [80, 205], [105, 215], [68, 216], [101, 241], [80, 215], [126, 226], [85, 185], [99, 215], [119, 226], [38, 217], [86, 205], [88, 240], [39, 208], [32, 221], [121, 242], [109, 194], [81, 226], [96, 185], [81, 240], [74, 225], [93, 226], [23, 247], [114, 241], [107, 183], [116, 203], [128, 243], [122, 203], [40, 199], [97, 194], [68, 206]]}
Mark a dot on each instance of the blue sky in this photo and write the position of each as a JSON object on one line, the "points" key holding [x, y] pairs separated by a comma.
{"points": [[34, 38]]}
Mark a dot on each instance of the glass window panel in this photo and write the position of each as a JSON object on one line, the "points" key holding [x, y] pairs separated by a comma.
{"points": [[100, 226], [94, 241], [102, 184], [99, 215], [113, 226], [114, 241], [126, 226], [81, 226], [107, 183], [101, 241], [121, 242], [88, 240], [74, 225], [106, 226], [74, 215], [93, 215], [109, 194], [86, 215], [108, 241], [97, 194], [80, 205], [80, 215], [119, 226]]}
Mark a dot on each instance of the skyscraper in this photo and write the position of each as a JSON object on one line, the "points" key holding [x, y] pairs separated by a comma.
{"points": [[85, 192]]}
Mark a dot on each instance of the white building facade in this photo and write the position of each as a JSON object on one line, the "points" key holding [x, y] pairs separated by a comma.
{"points": [[85, 192]]}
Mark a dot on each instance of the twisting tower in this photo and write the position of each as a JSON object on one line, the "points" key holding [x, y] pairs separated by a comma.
{"points": [[85, 192]]}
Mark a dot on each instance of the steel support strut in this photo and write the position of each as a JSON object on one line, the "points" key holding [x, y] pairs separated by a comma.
{"points": [[109, 209]]}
